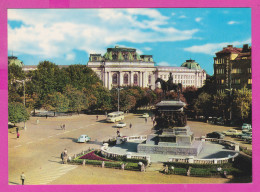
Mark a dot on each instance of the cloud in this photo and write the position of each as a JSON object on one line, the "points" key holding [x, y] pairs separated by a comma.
{"points": [[182, 16], [57, 32], [70, 56], [147, 48], [172, 14], [163, 63], [198, 19], [233, 22], [212, 48]]}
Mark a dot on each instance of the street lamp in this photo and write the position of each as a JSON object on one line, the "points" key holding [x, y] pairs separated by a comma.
{"points": [[23, 81], [118, 96]]}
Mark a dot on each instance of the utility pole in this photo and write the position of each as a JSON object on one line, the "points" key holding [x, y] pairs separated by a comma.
{"points": [[23, 81]]}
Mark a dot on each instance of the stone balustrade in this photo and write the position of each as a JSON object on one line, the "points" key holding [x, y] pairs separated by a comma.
{"points": [[191, 159]]}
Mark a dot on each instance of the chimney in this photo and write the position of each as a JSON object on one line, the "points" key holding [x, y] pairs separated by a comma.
{"points": [[245, 48], [230, 46]]}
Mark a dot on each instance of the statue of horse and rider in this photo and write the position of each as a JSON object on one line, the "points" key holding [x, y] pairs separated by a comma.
{"points": [[169, 85]]}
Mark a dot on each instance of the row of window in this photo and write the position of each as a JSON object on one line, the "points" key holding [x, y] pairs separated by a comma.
{"points": [[219, 61], [220, 71], [233, 81], [126, 79], [178, 76]]}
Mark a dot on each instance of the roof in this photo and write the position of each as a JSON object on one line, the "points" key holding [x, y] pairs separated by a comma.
{"points": [[12, 60], [191, 64], [230, 49]]}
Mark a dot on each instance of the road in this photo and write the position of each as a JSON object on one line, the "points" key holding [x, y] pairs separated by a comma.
{"points": [[37, 151]]}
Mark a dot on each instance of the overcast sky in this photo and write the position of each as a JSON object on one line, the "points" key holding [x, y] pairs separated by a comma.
{"points": [[68, 36]]}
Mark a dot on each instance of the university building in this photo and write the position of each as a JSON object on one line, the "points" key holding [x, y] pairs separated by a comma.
{"points": [[232, 68], [125, 67]]}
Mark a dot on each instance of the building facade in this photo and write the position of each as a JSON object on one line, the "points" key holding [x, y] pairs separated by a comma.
{"points": [[232, 68], [124, 67]]}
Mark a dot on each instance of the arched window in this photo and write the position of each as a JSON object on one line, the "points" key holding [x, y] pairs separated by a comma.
{"points": [[135, 79], [126, 79], [149, 79], [114, 79]]}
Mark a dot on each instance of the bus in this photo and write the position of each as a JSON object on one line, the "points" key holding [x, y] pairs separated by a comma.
{"points": [[115, 116]]}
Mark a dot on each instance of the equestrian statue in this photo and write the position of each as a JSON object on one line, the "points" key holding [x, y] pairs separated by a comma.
{"points": [[169, 85]]}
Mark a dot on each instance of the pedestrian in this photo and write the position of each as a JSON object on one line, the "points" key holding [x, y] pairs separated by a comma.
{"points": [[62, 157], [103, 164], [22, 178], [65, 156], [46, 116], [153, 123], [97, 117], [18, 134], [63, 126], [17, 129], [37, 121], [123, 166], [145, 119], [65, 152], [118, 133], [130, 125], [166, 170]]}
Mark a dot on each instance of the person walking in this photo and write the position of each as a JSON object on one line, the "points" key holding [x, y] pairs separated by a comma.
{"points": [[146, 120], [63, 126], [62, 157], [22, 178], [130, 125], [18, 135], [17, 129], [65, 156], [97, 117]]}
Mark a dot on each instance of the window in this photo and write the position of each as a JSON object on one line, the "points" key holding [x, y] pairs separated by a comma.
{"points": [[114, 79], [236, 70], [135, 79], [125, 78], [149, 79], [249, 70], [249, 81]]}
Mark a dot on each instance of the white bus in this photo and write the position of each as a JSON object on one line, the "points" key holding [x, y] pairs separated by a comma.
{"points": [[115, 116]]}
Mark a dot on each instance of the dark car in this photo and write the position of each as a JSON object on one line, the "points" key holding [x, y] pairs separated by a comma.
{"points": [[217, 135]]}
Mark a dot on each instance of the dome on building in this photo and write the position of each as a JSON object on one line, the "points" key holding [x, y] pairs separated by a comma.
{"points": [[191, 64], [12, 60]]}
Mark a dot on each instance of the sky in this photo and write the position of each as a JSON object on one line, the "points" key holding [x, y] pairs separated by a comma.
{"points": [[171, 35]]}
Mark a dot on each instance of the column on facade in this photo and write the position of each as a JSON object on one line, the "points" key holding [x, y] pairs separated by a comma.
{"points": [[132, 78], [145, 80], [104, 78], [109, 80], [121, 78]]}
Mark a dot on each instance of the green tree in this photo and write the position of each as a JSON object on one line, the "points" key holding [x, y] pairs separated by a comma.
{"points": [[221, 105], [77, 99], [242, 104], [15, 89], [45, 80], [17, 113], [56, 102], [203, 105]]}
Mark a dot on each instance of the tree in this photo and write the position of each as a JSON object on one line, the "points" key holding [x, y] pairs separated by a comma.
{"points": [[203, 105], [242, 104], [57, 102], [220, 105], [77, 100], [45, 80], [17, 113], [15, 89]]}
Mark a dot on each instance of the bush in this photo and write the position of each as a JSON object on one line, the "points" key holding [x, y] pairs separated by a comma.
{"points": [[205, 166]]}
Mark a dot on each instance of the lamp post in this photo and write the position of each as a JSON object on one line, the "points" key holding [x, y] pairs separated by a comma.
{"points": [[23, 81], [118, 96]]}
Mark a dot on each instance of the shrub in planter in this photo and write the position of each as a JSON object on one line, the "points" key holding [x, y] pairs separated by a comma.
{"points": [[206, 166]]}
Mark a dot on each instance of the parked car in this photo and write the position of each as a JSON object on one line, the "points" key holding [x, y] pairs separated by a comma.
{"points": [[247, 136], [215, 134], [121, 125], [230, 132], [246, 126], [83, 139], [145, 115]]}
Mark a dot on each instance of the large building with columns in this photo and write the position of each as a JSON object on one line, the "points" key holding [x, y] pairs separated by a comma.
{"points": [[124, 67]]}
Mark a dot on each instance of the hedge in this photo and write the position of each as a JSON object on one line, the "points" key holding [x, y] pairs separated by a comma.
{"points": [[144, 161], [187, 165]]}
